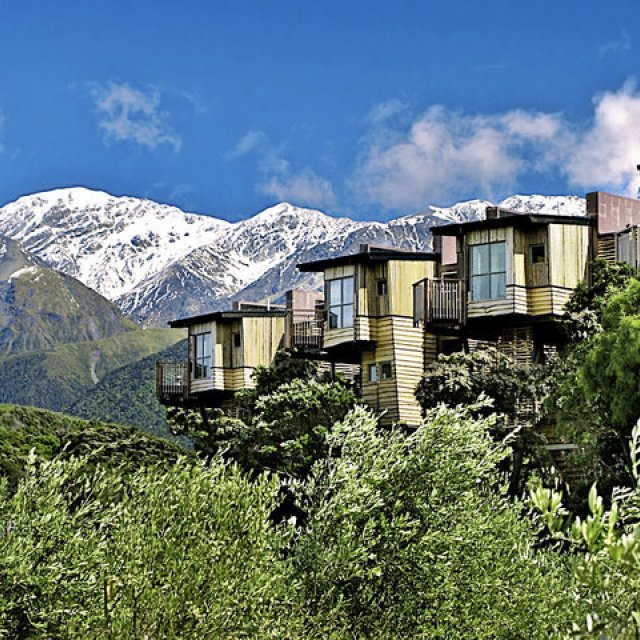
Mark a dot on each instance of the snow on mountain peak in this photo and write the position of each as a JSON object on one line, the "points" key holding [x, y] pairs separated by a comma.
{"points": [[158, 262]]}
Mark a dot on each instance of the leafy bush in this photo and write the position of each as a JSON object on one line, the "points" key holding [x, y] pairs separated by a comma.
{"points": [[513, 393], [178, 551], [607, 545], [285, 419], [413, 536]]}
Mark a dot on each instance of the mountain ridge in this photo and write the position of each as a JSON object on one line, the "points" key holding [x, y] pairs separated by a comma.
{"points": [[157, 262]]}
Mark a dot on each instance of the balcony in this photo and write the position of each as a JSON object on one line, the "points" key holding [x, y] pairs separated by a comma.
{"points": [[172, 381], [304, 329], [439, 302]]}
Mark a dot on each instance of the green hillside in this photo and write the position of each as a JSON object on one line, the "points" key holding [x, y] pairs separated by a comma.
{"points": [[57, 378], [41, 307], [128, 394], [49, 434]]}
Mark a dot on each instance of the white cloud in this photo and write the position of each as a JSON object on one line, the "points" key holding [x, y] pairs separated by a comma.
{"points": [[278, 179], [607, 152], [129, 114], [446, 155], [251, 141], [623, 43], [304, 187], [385, 110]]}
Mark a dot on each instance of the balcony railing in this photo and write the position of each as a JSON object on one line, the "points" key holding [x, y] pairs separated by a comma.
{"points": [[172, 380], [439, 300], [304, 329]]}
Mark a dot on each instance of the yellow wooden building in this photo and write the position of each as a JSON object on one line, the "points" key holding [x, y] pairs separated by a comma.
{"points": [[224, 349], [504, 280], [388, 313], [368, 321]]}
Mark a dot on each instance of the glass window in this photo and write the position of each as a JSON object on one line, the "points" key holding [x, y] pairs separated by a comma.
{"points": [[386, 371], [237, 340], [623, 249], [203, 355], [538, 254], [373, 373], [381, 286], [340, 295], [488, 271]]}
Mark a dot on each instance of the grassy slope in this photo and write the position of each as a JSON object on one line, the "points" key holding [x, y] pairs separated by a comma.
{"points": [[57, 378], [128, 395], [49, 434]]}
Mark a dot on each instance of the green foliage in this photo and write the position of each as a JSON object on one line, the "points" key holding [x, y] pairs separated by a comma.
{"points": [[169, 552], [285, 419], [48, 434], [460, 379], [286, 431], [512, 392], [608, 553], [600, 394], [58, 378], [128, 394], [284, 369], [594, 391], [412, 536], [606, 279]]}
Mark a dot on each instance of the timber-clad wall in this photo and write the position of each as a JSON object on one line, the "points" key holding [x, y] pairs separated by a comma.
{"points": [[399, 343], [533, 288], [233, 365]]}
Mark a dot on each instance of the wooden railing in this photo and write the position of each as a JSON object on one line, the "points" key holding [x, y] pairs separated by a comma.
{"points": [[304, 329], [439, 300], [172, 380]]}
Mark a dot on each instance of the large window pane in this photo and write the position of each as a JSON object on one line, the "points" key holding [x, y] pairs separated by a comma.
{"points": [[335, 292], [203, 355], [347, 291], [480, 259], [497, 257], [498, 285], [481, 287], [347, 315], [340, 293], [488, 271]]}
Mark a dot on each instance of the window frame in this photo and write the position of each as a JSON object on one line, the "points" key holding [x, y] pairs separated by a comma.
{"points": [[202, 360], [535, 246], [491, 274], [338, 310], [383, 365], [373, 368], [382, 287]]}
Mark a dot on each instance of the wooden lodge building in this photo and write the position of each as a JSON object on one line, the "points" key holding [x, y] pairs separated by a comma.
{"points": [[387, 312]]}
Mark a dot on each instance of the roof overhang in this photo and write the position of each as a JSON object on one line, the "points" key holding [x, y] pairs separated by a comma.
{"points": [[221, 316], [516, 220], [371, 257]]}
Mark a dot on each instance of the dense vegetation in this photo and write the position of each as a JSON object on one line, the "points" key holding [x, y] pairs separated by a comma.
{"points": [[284, 420], [58, 378], [128, 395], [26, 430], [406, 537], [303, 518]]}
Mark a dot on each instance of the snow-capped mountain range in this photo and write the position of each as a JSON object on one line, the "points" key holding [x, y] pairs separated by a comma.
{"points": [[157, 262]]}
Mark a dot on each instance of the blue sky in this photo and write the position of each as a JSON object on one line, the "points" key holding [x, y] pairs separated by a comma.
{"points": [[368, 109]]}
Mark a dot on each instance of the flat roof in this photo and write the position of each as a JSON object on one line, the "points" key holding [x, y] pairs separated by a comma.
{"points": [[370, 256], [217, 316], [511, 219]]}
